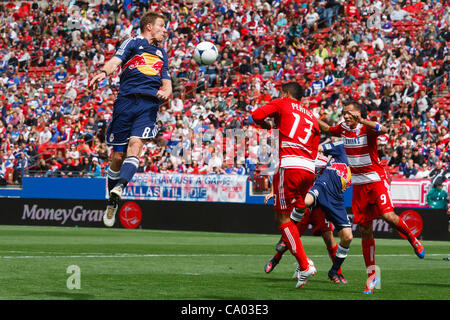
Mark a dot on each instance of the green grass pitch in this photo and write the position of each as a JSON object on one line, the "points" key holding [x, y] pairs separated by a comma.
{"points": [[167, 265]]}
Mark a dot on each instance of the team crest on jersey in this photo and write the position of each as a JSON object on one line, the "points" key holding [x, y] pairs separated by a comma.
{"points": [[159, 54], [148, 64], [111, 137]]}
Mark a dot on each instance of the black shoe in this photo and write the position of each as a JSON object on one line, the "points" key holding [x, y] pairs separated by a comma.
{"points": [[281, 246], [333, 276], [271, 264], [342, 278], [115, 195]]}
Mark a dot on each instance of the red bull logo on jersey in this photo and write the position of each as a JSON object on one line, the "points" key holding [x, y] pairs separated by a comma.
{"points": [[148, 64], [344, 172]]}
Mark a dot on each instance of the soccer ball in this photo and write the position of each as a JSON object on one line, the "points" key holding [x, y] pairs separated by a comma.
{"points": [[205, 53]]}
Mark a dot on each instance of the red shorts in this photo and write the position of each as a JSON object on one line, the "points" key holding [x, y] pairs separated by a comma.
{"points": [[289, 189], [370, 201], [317, 219]]}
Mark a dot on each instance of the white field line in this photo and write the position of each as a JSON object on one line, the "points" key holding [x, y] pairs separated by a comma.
{"points": [[130, 255]]}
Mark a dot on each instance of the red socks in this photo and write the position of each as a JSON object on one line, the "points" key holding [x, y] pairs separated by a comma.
{"points": [[368, 248], [403, 228], [291, 237], [332, 252]]}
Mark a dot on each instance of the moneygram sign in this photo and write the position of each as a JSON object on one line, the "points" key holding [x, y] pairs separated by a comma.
{"points": [[52, 212], [76, 214]]}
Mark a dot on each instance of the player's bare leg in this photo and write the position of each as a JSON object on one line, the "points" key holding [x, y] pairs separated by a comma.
{"points": [[396, 222], [368, 248]]}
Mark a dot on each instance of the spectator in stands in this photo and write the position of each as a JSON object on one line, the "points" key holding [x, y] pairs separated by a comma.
{"points": [[437, 198], [398, 14], [432, 160], [45, 136], [94, 168], [61, 74], [439, 174], [392, 51], [417, 157], [85, 166], [410, 171]]}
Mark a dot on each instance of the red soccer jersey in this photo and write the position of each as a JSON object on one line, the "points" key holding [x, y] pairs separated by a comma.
{"points": [[299, 133], [321, 163], [361, 148]]}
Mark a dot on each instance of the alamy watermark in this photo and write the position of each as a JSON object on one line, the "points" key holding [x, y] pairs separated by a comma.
{"points": [[374, 280], [231, 147], [74, 280]]}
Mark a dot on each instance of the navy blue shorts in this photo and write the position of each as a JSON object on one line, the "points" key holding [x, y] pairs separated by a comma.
{"points": [[133, 116], [331, 200]]}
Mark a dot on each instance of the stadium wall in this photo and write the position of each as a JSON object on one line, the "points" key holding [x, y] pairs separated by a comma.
{"points": [[80, 202], [192, 216]]}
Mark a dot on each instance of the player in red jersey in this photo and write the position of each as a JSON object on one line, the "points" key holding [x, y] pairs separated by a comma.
{"points": [[299, 137], [371, 192], [320, 227]]}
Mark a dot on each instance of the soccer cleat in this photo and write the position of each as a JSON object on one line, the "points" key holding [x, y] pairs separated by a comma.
{"points": [[297, 270], [342, 278], [371, 284], [295, 275], [305, 275], [419, 249], [336, 278], [271, 264], [116, 194], [281, 246], [109, 217]]}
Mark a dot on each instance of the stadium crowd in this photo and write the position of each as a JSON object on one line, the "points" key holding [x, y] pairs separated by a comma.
{"points": [[390, 56]]}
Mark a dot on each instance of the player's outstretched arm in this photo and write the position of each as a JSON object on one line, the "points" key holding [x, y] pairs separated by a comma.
{"points": [[108, 68], [259, 117], [371, 124], [324, 127]]}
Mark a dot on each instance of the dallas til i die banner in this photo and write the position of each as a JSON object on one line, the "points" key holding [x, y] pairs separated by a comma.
{"points": [[185, 187]]}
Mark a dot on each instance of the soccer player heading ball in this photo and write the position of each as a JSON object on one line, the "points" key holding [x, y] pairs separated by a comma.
{"points": [[144, 83], [299, 136], [371, 193]]}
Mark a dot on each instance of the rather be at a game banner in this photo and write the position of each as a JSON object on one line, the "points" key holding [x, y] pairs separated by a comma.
{"points": [[185, 187]]}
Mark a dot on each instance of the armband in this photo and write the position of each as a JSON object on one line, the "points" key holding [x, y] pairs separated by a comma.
{"points": [[378, 127]]}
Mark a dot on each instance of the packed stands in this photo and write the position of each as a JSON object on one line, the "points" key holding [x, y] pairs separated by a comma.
{"points": [[390, 56]]}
